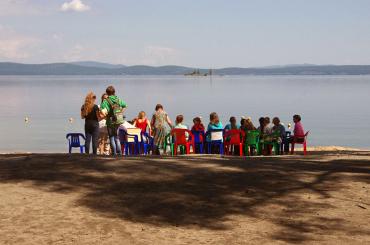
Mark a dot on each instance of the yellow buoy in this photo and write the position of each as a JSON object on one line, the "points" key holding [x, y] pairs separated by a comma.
{"points": [[26, 119], [71, 120]]}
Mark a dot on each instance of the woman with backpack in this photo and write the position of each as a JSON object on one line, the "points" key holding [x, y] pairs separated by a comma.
{"points": [[112, 108]]}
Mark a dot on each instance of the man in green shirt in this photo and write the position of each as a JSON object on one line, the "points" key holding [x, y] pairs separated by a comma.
{"points": [[107, 110]]}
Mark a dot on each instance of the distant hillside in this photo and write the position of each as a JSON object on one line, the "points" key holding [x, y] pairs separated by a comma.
{"points": [[299, 70], [50, 69], [96, 68], [96, 64]]}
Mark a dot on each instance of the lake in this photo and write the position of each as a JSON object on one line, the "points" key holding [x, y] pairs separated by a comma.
{"points": [[334, 108]]}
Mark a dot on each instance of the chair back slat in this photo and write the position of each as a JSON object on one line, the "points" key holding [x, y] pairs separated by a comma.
{"points": [[134, 131], [74, 139], [181, 136], [216, 135], [198, 136], [234, 136], [252, 137]]}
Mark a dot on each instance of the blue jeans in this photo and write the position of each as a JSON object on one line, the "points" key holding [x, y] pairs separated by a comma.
{"points": [[115, 144]]}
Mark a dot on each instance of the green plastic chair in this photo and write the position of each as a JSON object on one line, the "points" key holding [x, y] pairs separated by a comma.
{"points": [[276, 146], [168, 141], [252, 139]]}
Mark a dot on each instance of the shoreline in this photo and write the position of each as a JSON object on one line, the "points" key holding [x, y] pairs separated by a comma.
{"points": [[311, 150]]}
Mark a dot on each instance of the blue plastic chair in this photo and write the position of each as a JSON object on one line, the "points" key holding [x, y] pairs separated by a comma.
{"points": [[218, 142], [147, 143], [199, 138], [131, 148], [74, 142]]}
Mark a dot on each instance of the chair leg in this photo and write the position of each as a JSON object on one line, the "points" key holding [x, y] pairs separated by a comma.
{"points": [[292, 150], [259, 149], [305, 148], [240, 149], [246, 150], [221, 149]]}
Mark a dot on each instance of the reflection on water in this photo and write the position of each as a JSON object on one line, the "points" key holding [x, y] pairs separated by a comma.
{"points": [[334, 108]]}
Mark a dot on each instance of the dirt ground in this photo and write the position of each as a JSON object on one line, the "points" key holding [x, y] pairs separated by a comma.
{"points": [[74, 199]]}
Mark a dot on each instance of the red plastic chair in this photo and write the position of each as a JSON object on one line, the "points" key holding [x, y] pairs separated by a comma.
{"points": [[182, 137], [234, 137], [300, 139]]}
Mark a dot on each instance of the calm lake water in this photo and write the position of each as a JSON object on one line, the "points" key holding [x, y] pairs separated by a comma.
{"points": [[334, 108]]}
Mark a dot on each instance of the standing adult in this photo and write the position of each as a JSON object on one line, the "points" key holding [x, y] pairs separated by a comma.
{"points": [[160, 123], [90, 112], [112, 108], [104, 145]]}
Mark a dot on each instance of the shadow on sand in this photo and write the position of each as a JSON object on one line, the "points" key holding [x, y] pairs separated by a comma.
{"points": [[199, 191]]}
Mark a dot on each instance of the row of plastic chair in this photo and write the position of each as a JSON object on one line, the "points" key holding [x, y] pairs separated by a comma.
{"points": [[226, 141], [135, 142], [195, 140]]}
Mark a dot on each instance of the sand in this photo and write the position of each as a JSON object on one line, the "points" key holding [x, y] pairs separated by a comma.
{"points": [[74, 199]]}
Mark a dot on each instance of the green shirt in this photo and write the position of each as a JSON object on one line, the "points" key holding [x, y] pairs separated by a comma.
{"points": [[106, 108]]}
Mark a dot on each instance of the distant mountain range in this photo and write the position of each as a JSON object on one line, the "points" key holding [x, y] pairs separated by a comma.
{"points": [[97, 64], [98, 68]]}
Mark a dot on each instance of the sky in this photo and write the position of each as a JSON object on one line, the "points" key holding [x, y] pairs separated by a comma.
{"points": [[196, 33]]}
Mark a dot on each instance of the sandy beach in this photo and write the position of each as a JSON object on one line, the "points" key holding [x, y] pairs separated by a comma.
{"points": [[75, 199]]}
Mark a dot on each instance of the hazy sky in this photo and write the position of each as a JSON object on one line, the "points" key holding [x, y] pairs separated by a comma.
{"points": [[203, 33]]}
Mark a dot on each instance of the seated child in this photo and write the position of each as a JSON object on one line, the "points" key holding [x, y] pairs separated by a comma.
{"points": [[278, 127], [214, 124], [179, 122], [180, 125], [268, 126], [198, 125], [247, 124], [298, 132], [282, 133], [232, 124], [262, 126], [298, 127], [142, 122]]}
